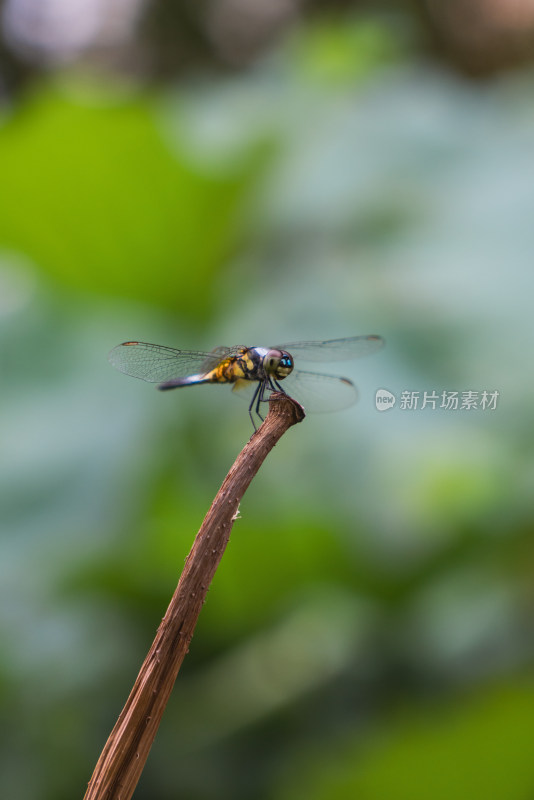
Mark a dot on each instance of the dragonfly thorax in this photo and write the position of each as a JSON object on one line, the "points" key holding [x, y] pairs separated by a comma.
{"points": [[276, 364]]}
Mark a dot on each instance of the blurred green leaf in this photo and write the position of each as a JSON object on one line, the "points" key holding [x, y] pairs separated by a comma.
{"points": [[95, 197], [480, 747], [337, 51]]}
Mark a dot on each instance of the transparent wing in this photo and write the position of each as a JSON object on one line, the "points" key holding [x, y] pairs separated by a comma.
{"points": [[334, 349], [316, 392], [157, 364]]}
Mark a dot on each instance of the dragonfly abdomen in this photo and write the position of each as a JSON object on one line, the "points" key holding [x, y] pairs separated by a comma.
{"points": [[190, 380], [230, 370]]}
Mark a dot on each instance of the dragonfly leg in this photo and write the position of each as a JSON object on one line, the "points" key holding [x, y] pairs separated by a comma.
{"points": [[251, 406], [261, 395], [261, 399]]}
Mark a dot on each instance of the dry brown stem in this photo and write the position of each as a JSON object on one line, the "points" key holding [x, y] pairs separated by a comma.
{"points": [[122, 760]]}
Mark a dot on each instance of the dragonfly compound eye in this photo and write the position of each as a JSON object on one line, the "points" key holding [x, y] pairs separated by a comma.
{"points": [[277, 364], [284, 367]]}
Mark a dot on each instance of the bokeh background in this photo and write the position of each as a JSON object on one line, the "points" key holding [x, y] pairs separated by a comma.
{"points": [[246, 172]]}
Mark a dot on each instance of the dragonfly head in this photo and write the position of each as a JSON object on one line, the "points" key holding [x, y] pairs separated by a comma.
{"points": [[278, 364]]}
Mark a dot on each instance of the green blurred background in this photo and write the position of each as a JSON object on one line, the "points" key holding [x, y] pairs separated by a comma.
{"points": [[236, 172]]}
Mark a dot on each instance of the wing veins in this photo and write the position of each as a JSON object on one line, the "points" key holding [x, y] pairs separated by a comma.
{"points": [[334, 349], [156, 363]]}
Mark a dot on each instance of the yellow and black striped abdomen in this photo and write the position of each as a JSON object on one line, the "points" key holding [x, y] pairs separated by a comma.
{"points": [[244, 366]]}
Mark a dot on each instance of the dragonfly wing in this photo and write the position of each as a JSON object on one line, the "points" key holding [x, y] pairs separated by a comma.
{"points": [[216, 355], [157, 364], [316, 392], [334, 349]]}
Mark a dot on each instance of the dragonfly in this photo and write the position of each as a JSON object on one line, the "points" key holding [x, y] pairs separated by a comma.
{"points": [[261, 370]]}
